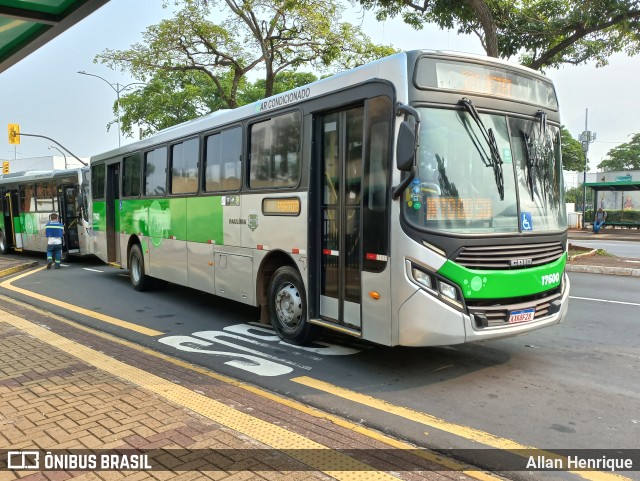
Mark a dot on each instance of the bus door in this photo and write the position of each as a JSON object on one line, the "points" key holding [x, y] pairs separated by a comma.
{"points": [[7, 213], [69, 213], [112, 210], [340, 265], [353, 148], [12, 220]]}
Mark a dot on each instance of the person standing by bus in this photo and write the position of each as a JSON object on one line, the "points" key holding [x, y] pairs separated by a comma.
{"points": [[54, 231]]}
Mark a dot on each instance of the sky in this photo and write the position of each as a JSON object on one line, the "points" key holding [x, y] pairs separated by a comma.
{"points": [[45, 94]]}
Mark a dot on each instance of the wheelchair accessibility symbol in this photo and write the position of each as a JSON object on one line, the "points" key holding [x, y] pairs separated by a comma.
{"points": [[525, 221]]}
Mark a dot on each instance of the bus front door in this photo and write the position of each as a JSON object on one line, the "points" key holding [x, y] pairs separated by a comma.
{"points": [[67, 199], [340, 264]]}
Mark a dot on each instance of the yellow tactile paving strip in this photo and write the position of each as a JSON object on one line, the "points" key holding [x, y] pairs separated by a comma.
{"points": [[8, 284], [446, 463], [307, 451]]}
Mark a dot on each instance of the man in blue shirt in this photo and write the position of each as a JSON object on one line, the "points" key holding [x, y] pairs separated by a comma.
{"points": [[54, 231]]}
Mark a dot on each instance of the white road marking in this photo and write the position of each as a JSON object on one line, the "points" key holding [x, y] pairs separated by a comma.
{"points": [[92, 270], [605, 300]]}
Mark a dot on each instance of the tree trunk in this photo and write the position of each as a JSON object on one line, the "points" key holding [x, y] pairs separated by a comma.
{"points": [[488, 25]]}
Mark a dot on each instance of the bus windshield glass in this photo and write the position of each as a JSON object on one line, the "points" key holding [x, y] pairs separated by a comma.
{"points": [[491, 80], [456, 189]]}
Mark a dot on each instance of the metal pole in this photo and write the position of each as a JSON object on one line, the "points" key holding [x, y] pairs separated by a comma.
{"points": [[118, 107], [586, 163]]}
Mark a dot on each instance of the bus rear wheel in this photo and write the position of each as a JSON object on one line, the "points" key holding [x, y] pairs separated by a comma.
{"points": [[288, 307], [3, 243], [139, 280]]}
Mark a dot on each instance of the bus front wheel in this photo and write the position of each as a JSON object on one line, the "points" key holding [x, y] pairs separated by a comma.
{"points": [[288, 307], [139, 280]]}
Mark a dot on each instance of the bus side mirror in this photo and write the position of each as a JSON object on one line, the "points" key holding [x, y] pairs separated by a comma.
{"points": [[406, 146]]}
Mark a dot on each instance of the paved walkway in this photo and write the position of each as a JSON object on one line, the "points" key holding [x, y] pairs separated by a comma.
{"points": [[58, 392]]}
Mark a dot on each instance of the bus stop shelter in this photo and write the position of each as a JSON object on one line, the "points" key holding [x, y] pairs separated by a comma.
{"points": [[25, 26], [632, 218]]}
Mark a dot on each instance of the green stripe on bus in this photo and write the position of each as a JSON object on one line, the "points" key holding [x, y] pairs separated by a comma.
{"points": [[481, 284], [164, 218]]}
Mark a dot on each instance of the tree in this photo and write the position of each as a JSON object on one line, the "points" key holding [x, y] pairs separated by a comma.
{"points": [[623, 157], [575, 195], [273, 35], [169, 98], [572, 155], [543, 33]]}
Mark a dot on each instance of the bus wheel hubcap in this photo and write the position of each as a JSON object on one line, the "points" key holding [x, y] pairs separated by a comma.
{"points": [[289, 305], [135, 268]]}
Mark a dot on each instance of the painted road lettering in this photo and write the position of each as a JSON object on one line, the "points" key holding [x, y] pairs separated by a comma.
{"points": [[254, 359]]}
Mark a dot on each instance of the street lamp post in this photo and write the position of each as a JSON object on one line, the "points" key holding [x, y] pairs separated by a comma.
{"points": [[586, 138], [65, 155], [117, 88]]}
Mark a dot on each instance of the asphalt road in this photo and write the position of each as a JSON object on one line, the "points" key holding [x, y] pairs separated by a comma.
{"points": [[571, 386]]}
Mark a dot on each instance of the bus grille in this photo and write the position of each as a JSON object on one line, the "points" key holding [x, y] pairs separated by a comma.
{"points": [[492, 314], [509, 257]]}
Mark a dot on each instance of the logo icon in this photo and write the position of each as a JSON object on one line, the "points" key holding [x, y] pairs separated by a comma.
{"points": [[253, 220], [23, 460], [525, 221]]}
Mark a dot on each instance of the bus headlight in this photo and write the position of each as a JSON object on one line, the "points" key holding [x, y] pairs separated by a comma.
{"points": [[422, 278], [448, 290], [435, 285]]}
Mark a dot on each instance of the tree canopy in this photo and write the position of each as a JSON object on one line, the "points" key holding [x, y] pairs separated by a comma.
{"points": [[541, 33], [572, 154], [623, 157], [274, 36]]}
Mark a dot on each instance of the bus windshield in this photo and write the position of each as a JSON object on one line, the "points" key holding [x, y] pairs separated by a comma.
{"points": [[456, 189]]}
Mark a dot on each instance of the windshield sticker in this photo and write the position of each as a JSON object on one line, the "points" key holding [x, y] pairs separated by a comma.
{"points": [[525, 221], [506, 155]]}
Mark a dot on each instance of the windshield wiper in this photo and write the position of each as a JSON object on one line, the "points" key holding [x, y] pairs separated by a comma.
{"points": [[531, 160], [543, 121], [495, 161], [532, 157]]}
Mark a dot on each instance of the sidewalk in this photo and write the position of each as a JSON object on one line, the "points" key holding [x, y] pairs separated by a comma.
{"points": [[610, 265], [57, 392]]}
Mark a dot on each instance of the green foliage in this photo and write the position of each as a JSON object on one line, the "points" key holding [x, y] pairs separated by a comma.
{"points": [[572, 155], [575, 195], [275, 36], [542, 33], [253, 92], [168, 99], [623, 157]]}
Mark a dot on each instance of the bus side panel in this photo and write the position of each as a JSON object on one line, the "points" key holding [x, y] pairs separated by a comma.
{"points": [[167, 223], [205, 230], [99, 230], [284, 232]]}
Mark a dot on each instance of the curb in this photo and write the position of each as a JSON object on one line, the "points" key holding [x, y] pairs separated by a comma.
{"points": [[614, 271], [21, 267]]}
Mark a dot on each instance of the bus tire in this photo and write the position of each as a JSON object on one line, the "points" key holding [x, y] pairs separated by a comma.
{"points": [[288, 307], [3, 243], [139, 280]]}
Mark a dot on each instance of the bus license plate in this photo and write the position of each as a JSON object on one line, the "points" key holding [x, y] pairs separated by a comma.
{"points": [[523, 315]]}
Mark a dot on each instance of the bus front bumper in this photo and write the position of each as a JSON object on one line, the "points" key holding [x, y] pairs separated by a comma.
{"points": [[425, 321]]}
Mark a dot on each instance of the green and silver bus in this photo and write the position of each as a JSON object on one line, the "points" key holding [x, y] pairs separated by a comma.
{"points": [[416, 200], [29, 198]]}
